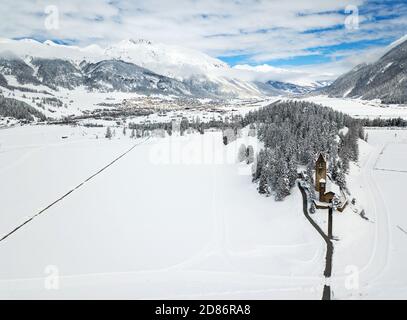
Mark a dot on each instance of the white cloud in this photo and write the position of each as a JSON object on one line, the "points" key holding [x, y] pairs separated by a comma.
{"points": [[263, 30], [304, 76]]}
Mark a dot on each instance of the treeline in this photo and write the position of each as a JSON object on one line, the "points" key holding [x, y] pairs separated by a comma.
{"points": [[293, 133], [19, 110], [379, 122], [196, 125]]}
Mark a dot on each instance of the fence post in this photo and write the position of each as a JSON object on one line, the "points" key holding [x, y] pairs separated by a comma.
{"points": [[330, 220]]}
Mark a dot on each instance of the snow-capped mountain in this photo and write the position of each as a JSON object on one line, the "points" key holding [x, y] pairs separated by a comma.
{"points": [[192, 72], [132, 66], [171, 61], [289, 88], [274, 88], [386, 79], [104, 76]]}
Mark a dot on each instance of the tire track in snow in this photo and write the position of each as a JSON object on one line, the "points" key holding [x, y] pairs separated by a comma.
{"points": [[71, 191], [384, 169], [390, 170], [379, 259], [402, 230]]}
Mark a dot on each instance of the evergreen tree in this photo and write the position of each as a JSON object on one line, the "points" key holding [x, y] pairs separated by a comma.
{"points": [[259, 165], [252, 130], [310, 172], [242, 153], [249, 154], [282, 187], [264, 181], [293, 132], [108, 134]]}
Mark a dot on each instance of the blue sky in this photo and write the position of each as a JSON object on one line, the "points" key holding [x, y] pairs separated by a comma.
{"points": [[300, 35], [383, 14]]}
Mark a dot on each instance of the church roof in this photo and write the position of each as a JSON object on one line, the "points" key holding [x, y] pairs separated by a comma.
{"points": [[332, 187], [321, 155]]}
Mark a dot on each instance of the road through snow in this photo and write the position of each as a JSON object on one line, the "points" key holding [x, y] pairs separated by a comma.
{"points": [[329, 246]]}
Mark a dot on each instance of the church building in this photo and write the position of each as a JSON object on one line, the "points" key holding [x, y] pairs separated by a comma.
{"points": [[321, 180]]}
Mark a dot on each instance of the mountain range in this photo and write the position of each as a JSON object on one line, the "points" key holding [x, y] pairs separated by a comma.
{"points": [[385, 79], [146, 68], [138, 66]]}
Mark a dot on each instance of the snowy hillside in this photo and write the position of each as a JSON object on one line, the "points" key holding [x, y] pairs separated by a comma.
{"points": [[171, 61], [385, 79], [278, 88], [198, 73]]}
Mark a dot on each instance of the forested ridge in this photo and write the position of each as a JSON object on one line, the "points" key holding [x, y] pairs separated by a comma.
{"points": [[19, 110]]}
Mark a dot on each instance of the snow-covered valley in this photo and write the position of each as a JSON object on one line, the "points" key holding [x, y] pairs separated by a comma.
{"points": [[178, 217], [146, 171], [147, 228]]}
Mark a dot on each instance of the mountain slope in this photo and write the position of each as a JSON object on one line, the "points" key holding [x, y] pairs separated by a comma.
{"points": [[288, 88], [171, 61], [385, 79], [102, 76], [138, 66], [19, 110], [42, 62], [117, 75], [57, 73], [17, 67], [58, 65]]}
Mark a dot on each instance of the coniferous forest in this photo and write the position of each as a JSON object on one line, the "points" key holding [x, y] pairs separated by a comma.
{"points": [[19, 110], [294, 133]]}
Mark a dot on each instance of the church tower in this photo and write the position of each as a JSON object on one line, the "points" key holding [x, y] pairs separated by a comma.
{"points": [[320, 172]]}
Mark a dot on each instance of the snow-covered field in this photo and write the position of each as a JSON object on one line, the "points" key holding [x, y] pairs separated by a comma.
{"points": [[174, 218], [370, 256], [179, 218], [389, 176], [361, 108]]}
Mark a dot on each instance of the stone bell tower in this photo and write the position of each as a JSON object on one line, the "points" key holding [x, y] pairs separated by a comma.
{"points": [[320, 171]]}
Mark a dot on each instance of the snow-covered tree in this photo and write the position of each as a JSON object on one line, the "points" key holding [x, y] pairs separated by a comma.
{"points": [[249, 154], [313, 208], [241, 156], [252, 130], [282, 186], [293, 133], [108, 134]]}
